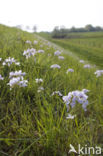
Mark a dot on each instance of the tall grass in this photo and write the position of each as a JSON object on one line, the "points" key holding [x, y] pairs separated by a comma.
{"points": [[33, 123]]}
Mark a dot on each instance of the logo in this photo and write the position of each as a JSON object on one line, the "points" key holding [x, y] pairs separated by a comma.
{"points": [[72, 149], [85, 150]]}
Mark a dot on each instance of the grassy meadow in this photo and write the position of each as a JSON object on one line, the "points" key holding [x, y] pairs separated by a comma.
{"points": [[33, 120], [88, 46]]}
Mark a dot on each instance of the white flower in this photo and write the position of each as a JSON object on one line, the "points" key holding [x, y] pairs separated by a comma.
{"points": [[10, 61], [17, 81], [23, 83], [14, 81], [87, 66], [55, 66], [57, 92], [39, 80], [70, 116], [29, 42], [40, 89], [1, 78], [40, 51], [57, 53], [67, 99], [98, 73], [81, 61], [76, 97], [61, 57], [16, 74], [0, 59], [70, 70], [29, 52]]}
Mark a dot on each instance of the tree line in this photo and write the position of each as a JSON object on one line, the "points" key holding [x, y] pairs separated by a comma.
{"points": [[63, 32]]}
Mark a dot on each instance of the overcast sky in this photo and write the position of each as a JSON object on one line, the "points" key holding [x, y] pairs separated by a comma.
{"points": [[47, 14]]}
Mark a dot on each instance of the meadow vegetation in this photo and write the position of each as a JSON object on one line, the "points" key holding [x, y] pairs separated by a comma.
{"points": [[36, 119], [86, 45]]}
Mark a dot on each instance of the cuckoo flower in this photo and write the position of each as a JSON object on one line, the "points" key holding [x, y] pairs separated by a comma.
{"points": [[75, 97]]}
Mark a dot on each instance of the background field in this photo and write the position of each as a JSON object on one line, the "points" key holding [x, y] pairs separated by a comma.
{"points": [[35, 124], [88, 46]]}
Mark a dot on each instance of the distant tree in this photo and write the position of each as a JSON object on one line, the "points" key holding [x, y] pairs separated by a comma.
{"points": [[98, 28], [35, 28], [81, 30], [55, 32], [89, 27], [73, 29], [62, 32], [59, 32]]}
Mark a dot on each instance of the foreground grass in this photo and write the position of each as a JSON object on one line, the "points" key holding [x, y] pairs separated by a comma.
{"points": [[33, 123]]}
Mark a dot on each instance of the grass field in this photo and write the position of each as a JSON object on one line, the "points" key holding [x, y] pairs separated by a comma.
{"points": [[88, 46], [34, 119]]}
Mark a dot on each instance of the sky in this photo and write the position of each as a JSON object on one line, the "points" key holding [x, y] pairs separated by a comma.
{"points": [[46, 14]]}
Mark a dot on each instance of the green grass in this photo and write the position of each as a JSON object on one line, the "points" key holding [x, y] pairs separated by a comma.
{"points": [[85, 35], [33, 123], [88, 46]]}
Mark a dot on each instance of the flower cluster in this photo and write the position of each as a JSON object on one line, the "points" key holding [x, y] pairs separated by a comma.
{"points": [[70, 70], [98, 73], [10, 61], [29, 52], [16, 79], [57, 53], [55, 66], [75, 97], [16, 74]]}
